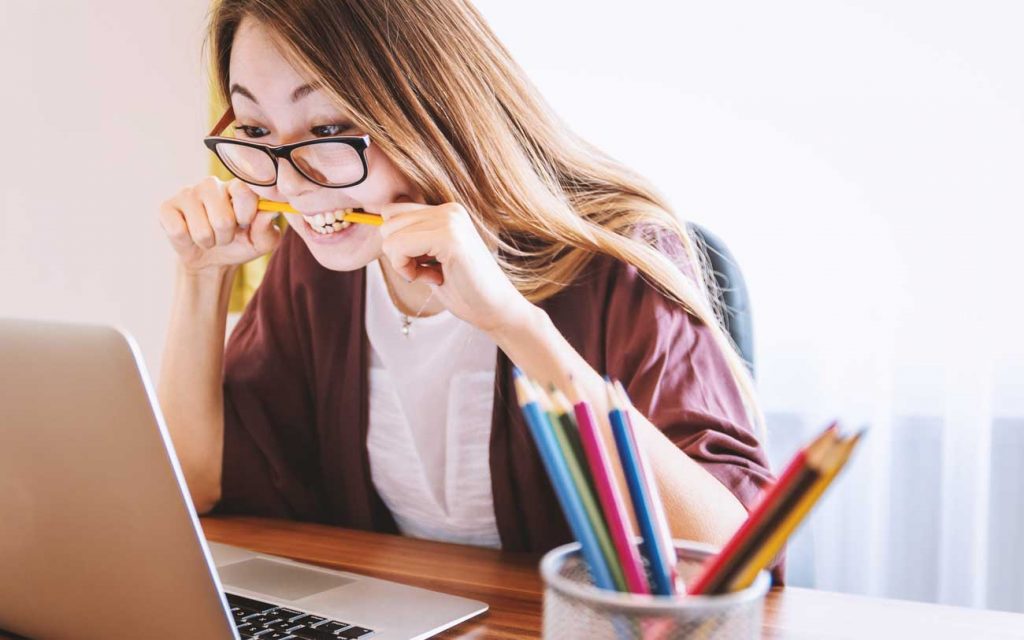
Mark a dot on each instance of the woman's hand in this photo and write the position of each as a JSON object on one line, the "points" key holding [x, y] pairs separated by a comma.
{"points": [[214, 224], [468, 280]]}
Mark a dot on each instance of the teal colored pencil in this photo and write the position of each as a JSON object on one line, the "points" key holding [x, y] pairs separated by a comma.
{"points": [[577, 469], [561, 481]]}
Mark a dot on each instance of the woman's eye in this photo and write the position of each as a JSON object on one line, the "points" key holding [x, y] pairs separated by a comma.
{"points": [[330, 129], [251, 132]]}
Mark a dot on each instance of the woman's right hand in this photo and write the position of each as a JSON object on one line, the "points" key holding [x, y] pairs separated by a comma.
{"points": [[214, 224]]}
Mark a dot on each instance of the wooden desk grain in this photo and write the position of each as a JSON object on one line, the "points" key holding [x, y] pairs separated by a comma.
{"points": [[511, 585]]}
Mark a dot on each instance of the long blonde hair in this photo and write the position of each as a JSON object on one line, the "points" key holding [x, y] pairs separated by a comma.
{"points": [[444, 100]]}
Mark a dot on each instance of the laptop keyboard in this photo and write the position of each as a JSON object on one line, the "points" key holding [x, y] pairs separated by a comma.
{"points": [[265, 621]]}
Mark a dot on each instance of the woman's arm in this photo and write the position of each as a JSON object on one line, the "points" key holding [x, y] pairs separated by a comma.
{"points": [[473, 287], [190, 390], [213, 226], [697, 505]]}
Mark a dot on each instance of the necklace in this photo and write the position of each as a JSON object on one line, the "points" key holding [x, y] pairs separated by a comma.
{"points": [[407, 322]]}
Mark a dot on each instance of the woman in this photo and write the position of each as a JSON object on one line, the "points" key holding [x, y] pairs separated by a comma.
{"points": [[366, 387]]}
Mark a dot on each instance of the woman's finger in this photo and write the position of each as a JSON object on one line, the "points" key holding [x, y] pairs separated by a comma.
{"points": [[264, 234], [394, 209], [214, 193], [172, 221], [244, 202], [409, 222], [411, 251], [400, 215], [429, 274], [195, 217]]}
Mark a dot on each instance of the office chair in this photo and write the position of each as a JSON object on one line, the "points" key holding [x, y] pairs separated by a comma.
{"points": [[732, 291]]}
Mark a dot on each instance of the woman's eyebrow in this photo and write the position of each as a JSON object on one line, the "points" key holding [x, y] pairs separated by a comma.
{"points": [[297, 95]]}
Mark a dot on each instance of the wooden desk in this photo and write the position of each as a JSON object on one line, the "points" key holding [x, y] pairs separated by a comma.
{"points": [[512, 586]]}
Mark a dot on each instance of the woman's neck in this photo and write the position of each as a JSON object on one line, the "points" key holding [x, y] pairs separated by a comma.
{"points": [[409, 297]]}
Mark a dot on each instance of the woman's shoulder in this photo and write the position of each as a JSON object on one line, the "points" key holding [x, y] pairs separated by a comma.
{"points": [[613, 305]]}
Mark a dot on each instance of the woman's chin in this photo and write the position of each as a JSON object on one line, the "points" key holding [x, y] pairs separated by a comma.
{"points": [[350, 249]]}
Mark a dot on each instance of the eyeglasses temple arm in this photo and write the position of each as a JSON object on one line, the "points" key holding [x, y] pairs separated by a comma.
{"points": [[223, 123]]}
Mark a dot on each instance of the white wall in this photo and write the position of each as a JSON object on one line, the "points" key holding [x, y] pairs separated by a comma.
{"points": [[102, 115]]}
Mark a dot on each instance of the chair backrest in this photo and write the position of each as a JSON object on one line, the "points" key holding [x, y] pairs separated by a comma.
{"points": [[732, 289]]}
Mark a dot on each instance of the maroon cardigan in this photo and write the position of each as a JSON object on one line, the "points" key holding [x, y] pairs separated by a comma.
{"points": [[296, 398]]}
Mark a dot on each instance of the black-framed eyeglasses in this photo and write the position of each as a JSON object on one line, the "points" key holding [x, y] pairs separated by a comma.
{"points": [[335, 161]]}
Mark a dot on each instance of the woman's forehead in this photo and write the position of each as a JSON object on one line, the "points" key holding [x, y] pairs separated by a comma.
{"points": [[260, 72]]}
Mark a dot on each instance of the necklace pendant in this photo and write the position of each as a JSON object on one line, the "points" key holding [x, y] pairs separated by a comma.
{"points": [[405, 325]]}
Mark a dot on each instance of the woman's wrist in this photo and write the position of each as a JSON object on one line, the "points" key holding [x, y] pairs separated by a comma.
{"points": [[533, 342], [517, 327], [215, 274], [203, 293]]}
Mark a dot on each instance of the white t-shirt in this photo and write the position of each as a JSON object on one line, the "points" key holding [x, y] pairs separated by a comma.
{"points": [[431, 398]]}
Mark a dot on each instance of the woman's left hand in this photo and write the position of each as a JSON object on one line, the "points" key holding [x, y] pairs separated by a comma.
{"points": [[468, 279]]}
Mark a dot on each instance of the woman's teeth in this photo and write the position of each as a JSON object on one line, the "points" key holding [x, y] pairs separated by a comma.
{"points": [[327, 223]]}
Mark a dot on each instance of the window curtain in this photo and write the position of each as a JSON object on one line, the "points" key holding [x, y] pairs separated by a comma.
{"points": [[899, 308]]}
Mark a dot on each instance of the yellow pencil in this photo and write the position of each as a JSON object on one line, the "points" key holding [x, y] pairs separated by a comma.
{"points": [[831, 465], [350, 215]]}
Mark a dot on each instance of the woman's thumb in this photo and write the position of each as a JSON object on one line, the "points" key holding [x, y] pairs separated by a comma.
{"points": [[264, 233]]}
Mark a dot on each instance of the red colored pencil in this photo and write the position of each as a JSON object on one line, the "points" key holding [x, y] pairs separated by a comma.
{"points": [[713, 576]]}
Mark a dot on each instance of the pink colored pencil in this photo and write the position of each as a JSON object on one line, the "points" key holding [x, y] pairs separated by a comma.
{"points": [[608, 493]]}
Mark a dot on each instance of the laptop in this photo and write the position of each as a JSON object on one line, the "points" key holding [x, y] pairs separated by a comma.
{"points": [[98, 536]]}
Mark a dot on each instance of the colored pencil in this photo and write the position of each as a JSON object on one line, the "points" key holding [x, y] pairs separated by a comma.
{"points": [[643, 500], [583, 471], [567, 418], [829, 468], [667, 544], [612, 501], [357, 216], [562, 425], [717, 571], [561, 481]]}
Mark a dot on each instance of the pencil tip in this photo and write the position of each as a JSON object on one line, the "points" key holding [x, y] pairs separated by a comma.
{"points": [[613, 400]]}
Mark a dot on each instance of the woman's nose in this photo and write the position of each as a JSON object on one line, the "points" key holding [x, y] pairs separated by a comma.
{"points": [[291, 183]]}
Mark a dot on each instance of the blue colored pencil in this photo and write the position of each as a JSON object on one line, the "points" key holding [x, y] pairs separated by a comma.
{"points": [[660, 520], [561, 480], [662, 577]]}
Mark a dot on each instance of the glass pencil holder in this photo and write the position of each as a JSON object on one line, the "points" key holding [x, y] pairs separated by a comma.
{"points": [[575, 608]]}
